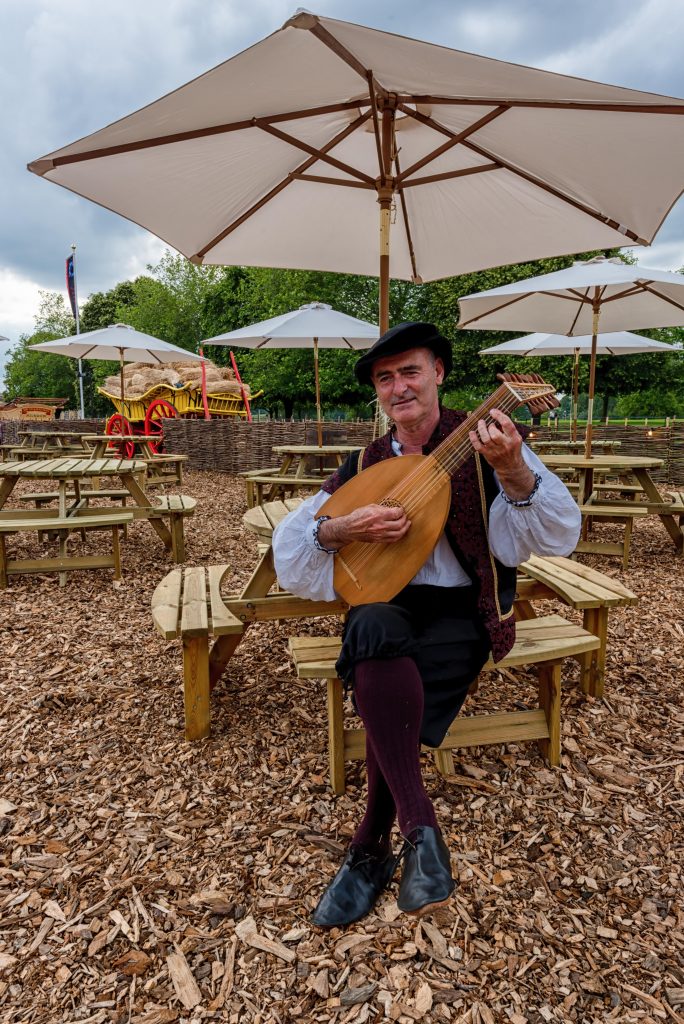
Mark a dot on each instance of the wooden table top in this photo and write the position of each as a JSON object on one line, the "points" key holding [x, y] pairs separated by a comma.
{"points": [[70, 468], [50, 433], [115, 438], [603, 461], [314, 449], [579, 445]]}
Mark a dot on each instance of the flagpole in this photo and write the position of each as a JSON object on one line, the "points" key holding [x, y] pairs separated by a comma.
{"points": [[78, 331]]}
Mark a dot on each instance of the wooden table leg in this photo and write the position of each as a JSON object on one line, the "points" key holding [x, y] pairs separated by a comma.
{"points": [[196, 687], [3, 563], [141, 499], [675, 531], [593, 663], [336, 735], [550, 701]]}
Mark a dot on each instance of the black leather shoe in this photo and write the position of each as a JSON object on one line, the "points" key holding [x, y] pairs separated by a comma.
{"points": [[355, 888], [426, 880]]}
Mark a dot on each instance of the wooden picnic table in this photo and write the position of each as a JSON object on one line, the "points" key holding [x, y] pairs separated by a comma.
{"points": [[628, 471], [162, 467], [301, 466], [190, 604], [44, 443], [68, 474]]}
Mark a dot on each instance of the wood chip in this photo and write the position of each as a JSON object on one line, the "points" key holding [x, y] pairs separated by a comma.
{"points": [[246, 931], [183, 980]]}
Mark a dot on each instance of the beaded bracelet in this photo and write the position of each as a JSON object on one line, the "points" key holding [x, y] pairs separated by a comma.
{"points": [[317, 543], [526, 502]]}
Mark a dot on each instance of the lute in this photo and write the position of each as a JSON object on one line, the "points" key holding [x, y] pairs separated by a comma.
{"points": [[421, 485]]}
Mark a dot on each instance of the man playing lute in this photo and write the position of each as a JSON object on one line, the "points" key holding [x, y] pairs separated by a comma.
{"points": [[411, 659]]}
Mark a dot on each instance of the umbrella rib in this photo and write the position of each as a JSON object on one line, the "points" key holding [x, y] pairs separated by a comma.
{"points": [[376, 126], [540, 183], [41, 167], [319, 154], [588, 105], [488, 312], [454, 139], [665, 298], [341, 51], [447, 175], [333, 181], [407, 227], [197, 258]]}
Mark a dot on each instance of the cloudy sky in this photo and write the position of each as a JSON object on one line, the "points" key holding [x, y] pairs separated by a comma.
{"points": [[70, 68]]}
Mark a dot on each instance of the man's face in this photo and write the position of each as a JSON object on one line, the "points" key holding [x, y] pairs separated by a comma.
{"points": [[406, 385]]}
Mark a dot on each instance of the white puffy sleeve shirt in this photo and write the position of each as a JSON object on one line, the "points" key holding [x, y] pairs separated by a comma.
{"points": [[549, 525]]}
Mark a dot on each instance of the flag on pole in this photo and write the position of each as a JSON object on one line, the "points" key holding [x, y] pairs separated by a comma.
{"points": [[71, 285]]}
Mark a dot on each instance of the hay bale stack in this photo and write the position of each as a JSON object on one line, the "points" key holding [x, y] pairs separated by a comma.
{"points": [[140, 377]]}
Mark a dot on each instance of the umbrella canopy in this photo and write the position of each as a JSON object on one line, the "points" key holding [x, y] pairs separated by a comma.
{"points": [[117, 342], [282, 155], [621, 343], [314, 325], [571, 301]]}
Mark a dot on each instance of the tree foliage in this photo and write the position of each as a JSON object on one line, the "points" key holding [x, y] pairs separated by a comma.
{"points": [[185, 304]]}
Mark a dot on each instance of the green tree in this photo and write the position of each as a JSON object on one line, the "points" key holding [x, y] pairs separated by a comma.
{"points": [[38, 374]]}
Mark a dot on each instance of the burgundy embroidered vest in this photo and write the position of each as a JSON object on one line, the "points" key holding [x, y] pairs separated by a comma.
{"points": [[473, 490]]}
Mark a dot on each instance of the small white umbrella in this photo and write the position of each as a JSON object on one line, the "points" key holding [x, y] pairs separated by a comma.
{"points": [[117, 342], [572, 301], [620, 343], [314, 325]]}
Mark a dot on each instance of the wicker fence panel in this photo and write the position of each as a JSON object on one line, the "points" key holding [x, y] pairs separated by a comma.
{"points": [[10, 429], [233, 446]]}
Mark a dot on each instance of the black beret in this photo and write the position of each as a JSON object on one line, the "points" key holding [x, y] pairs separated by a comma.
{"points": [[400, 339]]}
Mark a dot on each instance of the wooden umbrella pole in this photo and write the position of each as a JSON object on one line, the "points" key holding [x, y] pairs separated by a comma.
{"points": [[592, 376], [575, 395], [121, 377], [319, 427], [385, 196]]}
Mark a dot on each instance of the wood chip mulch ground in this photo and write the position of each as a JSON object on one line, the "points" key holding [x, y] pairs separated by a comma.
{"points": [[147, 880]]}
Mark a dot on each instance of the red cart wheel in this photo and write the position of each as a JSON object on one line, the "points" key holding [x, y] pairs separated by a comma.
{"points": [[158, 411], [118, 426]]}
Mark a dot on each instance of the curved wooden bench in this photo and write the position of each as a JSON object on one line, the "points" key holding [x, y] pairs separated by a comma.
{"points": [[176, 507], [543, 642], [187, 603], [64, 562], [611, 514]]}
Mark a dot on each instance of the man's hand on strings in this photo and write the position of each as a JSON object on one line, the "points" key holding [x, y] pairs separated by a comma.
{"points": [[501, 445], [370, 524]]}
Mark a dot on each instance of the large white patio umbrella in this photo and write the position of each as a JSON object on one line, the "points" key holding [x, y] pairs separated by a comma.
{"points": [[574, 300], [620, 343], [314, 325], [120, 343], [291, 152]]}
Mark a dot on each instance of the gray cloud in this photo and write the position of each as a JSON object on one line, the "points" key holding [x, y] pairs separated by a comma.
{"points": [[68, 69]]}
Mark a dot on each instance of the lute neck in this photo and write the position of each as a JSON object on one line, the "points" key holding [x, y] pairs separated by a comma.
{"points": [[457, 447]]}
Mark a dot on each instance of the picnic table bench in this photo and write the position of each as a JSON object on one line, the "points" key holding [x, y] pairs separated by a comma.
{"points": [[64, 562], [542, 642], [580, 587]]}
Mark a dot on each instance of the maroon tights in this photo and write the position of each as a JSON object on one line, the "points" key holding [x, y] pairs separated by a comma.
{"points": [[389, 698]]}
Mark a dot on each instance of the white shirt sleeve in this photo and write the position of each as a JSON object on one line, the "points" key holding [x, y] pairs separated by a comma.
{"points": [[301, 567], [549, 525]]}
